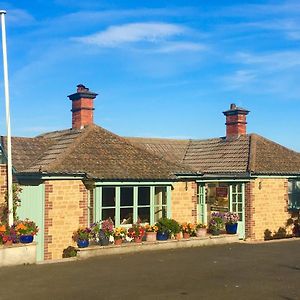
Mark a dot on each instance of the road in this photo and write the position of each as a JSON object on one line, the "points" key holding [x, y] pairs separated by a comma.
{"points": [[269, 270]]}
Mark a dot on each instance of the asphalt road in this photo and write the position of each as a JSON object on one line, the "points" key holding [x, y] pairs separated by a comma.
{"points": [[269, 270]]}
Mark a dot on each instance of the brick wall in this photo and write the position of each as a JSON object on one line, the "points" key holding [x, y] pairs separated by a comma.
{"points": [[269, 198], [184, 201], [3, 182], [65, 210]]}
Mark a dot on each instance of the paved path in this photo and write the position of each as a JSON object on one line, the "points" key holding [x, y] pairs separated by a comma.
{"points": [[237, 271]]}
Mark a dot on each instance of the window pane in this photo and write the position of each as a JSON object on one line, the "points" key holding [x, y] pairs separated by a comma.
{"points": [[108, 213], [126, 215], [240, 207], [240, 217], [240, 198], [144, 196], [159, 212], [144, 214], [160, 197], [108, 197], [126, 196]]}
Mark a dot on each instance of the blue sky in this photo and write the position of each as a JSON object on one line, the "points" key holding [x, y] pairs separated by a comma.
{"points": [[161, 68]]}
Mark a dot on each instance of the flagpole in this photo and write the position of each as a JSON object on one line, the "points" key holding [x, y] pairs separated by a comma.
{"points": [[6, 91]]}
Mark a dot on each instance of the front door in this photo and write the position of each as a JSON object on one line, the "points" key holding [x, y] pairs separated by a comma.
{"points": [[237, 205]]}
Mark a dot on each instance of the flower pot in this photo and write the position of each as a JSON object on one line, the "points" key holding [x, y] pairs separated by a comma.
{"points": [[186, 235], [8, 243], [103, 239], [201, 232], [82, 243], [26, 239], [215, 231], [231, 228], [138, 239], [118, 242], [151, 236], [162, 236], [178, 236]]}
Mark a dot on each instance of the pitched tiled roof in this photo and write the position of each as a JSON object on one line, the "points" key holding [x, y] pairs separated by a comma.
{"points": [[247, 154], [25, 151], [102, 155], [218, 155], [170, 149], [268, 157]]}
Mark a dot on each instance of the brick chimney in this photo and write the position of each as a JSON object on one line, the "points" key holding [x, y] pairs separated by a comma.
{"points": [[235, 122], [82, 107]]}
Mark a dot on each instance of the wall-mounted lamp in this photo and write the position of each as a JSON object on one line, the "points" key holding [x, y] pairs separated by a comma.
{"points": [[186, 186], [260, 185]]}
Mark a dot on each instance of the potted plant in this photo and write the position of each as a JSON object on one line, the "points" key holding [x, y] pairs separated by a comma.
{"points": [[200, 230], [174, 229], [163, 232], [119, 235], [216, 223], [5, 237], [136, 232], [81, 236], [231, 222], [187, 229], [151, 232], [25, 230], [101, 231]]}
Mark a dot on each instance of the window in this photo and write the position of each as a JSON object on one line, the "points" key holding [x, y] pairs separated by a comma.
{"points": [[160, 203], [130, 204], [144, 204], [294, 194]]}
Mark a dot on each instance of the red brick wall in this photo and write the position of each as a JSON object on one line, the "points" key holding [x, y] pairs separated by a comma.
{"points": [[82, 113], [235, 125]]}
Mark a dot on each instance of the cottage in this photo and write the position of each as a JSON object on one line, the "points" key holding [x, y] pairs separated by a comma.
{"points": [[84, 174]]}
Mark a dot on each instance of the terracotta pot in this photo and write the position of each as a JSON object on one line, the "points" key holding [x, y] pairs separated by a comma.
{"points": [[178, 236], [8, 243], [186, 235], [201, 232], [138, 239], [118, 242], [151, 236]]}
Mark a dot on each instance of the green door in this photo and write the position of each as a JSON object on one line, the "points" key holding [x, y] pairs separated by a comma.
{"points": [[32, 207], [202, 207], [237, 205]]}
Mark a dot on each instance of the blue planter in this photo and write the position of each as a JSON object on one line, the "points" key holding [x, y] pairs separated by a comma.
{"points": [[231, 228], [162, 236], [26, 239], [83, 243]]}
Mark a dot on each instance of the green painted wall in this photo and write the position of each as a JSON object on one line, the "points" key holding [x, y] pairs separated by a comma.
{"points": [[33, 208]]}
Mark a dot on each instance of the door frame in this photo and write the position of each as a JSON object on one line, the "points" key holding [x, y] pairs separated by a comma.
{"points": [[202, 202]]}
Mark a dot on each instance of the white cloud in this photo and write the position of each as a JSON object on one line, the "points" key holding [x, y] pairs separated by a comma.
{"points": [[181, 47], [19, 17], [239, 79], [275, 61], [133, 32]]}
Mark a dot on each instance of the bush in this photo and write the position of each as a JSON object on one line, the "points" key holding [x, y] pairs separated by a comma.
{"points": [[168, 225], [69, 252]]}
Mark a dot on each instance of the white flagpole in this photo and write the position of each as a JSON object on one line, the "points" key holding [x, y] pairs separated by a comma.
{"points": [[6, 91]]}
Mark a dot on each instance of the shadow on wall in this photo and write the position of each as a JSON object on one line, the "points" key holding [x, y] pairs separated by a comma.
{"points": [[291, 229]]}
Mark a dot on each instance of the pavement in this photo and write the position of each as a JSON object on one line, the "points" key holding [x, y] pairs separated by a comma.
{"points": [[234, 271]]}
